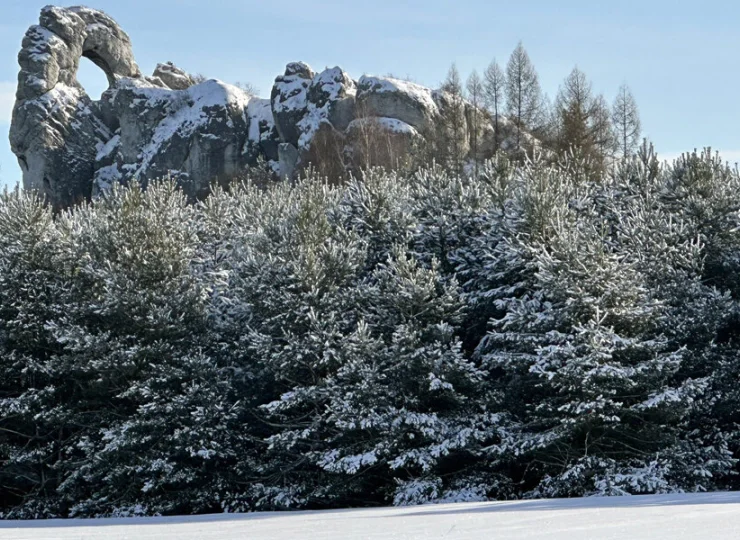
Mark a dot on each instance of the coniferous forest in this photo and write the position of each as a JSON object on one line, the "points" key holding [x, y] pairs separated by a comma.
{"points": [[527, 330]]}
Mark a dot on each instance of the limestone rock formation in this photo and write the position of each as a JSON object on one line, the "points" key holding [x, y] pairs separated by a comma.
{"points": [[393, 98], [172, 76], [145, 127], [194, 135], [289, 99], [55, 130], [70, 147]]}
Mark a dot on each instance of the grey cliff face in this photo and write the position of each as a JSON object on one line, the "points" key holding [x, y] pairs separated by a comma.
{"points": [[71, 148]]}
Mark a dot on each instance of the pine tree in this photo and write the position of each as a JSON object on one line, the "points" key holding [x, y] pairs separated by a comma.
{"points": [[584, 127], [392, 405], [36, 391], [452, 137], [605, 136], [600, 392], [405, 338], [160, 434]]}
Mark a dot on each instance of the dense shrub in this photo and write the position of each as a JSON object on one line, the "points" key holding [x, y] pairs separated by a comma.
{"points": [[398, 339]]}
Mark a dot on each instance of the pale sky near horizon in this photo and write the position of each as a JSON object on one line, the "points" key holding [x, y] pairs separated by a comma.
{"points": [[678, 57]]}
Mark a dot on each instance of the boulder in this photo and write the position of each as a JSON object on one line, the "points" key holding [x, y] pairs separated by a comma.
{"points": [[173, 77], [379, 141], [303, 106], [386, 97], [263, 138], [330, 100], [194, 135], [288, 160], [332, 92]]}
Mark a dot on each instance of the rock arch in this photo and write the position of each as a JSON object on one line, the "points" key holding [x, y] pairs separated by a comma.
{"points": [[55, 130], [107, 45]]}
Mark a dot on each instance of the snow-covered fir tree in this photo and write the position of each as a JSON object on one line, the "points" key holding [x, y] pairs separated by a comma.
{"points": [[531, 331]]}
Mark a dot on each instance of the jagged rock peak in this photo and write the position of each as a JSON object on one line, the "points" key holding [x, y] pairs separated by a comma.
{"points": [[300, 69]]}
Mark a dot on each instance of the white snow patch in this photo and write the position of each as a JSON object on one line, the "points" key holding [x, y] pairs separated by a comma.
{"points": [[642, 517], [106, 149], [106, 177], [393, 125], [292, 94], [260, 119]]}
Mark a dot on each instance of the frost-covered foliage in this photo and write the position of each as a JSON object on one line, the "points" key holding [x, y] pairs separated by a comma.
{"points": [[400, 339]]}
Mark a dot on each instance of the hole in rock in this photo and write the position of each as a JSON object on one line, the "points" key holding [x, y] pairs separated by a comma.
{"points": [[92, 78]]}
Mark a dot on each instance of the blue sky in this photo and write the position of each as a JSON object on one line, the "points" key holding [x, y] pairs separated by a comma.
{"points": [[680, 58]]}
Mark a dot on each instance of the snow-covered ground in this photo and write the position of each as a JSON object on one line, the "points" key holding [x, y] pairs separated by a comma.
{"points": [[713, 516]]}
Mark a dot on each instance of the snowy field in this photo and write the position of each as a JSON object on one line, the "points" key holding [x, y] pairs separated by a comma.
{"points": [[664, 517]]}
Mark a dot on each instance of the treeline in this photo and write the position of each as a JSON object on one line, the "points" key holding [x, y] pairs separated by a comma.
{"points": [[532, 331], [523, 119], [503, 111]]}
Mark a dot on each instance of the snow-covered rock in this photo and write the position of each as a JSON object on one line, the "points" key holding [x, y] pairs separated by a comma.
{"points": [[145, 127], [263, 138], [289, 100], [195, 135], [173, 77], [331, 97], [71, 147], [55, 130], [394, 98]]}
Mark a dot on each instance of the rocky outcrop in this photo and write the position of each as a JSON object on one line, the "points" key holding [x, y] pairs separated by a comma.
{"points": [[172, 76], [55, 129], [70, 147], [195, 135], [168, 124], [289, 99], [386, 97]]}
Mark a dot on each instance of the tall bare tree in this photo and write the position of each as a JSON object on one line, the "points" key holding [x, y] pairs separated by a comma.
{"points": [[474, 86], [626, 119], [523, 93], [604, 133], [452, 146], [494, 88]]}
